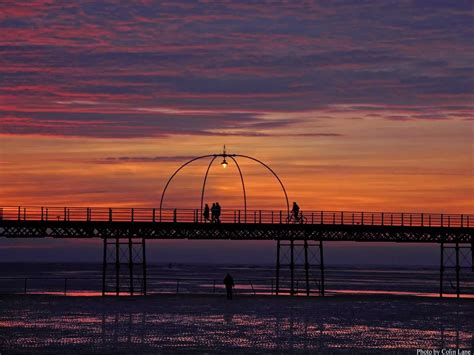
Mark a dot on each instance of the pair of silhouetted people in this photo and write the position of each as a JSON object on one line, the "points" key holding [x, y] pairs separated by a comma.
{"points": [[229, 284], [214, 211]]}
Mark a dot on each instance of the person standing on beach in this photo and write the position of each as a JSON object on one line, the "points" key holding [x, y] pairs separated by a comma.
{"points": [[229, 284]]}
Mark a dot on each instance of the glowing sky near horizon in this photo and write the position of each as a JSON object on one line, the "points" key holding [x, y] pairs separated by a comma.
{"points": [[357, 105]]}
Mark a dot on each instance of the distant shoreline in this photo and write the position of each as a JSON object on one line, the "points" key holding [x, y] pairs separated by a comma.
{"points": [[270, 265]]}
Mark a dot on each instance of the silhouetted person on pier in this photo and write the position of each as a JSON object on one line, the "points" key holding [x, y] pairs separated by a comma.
{"points": [[229, 284], [206, 213], [213, 213], [295, 211], [218, 212]]}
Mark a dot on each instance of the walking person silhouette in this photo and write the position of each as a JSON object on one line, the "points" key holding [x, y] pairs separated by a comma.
{"points": [[229, 284], [206, 213], [213, 212], [218, 212]]}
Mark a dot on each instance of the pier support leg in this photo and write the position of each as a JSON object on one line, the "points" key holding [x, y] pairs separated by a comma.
{"points": [[104, 266], [130, 264], [292, 266], [321, 265], [306, 266], [124, 266], [117, 267], [144, 267], [453, 258], [458, 269], [472, 256], [278, 268], [299, 261], [441, 269]]}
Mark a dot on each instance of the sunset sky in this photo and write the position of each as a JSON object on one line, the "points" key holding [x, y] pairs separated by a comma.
{"points": [[357, 105]]}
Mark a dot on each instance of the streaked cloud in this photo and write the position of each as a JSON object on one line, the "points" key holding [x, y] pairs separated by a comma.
{"points": [[149, 69]]}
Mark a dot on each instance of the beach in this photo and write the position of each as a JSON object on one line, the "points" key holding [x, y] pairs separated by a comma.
{"points": [[246, 324]]}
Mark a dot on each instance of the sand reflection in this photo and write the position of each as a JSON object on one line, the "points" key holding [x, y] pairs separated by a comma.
{"points": [[252, 323]]}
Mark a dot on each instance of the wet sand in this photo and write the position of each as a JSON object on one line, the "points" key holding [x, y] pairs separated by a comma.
{"points": [[247, 324]]}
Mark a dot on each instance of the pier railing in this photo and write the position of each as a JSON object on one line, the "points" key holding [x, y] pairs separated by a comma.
{"points": [[103, 214]]}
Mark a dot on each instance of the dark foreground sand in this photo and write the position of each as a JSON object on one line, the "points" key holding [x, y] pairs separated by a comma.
{"points": [[163, 324]]}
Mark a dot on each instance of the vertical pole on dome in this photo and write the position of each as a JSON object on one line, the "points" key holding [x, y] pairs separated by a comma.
{"points": [[243, 186], [204, 185]]}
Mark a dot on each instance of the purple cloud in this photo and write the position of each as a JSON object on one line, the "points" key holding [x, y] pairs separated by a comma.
{"points": [[231, 61]]}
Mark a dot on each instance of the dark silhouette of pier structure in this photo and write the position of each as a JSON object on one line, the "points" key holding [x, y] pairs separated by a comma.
{"points": [[300, 246]]}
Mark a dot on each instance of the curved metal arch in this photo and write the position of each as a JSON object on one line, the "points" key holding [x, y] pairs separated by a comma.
{"points": [[243, 187], [174, 174], [274, 174], [204, 184], [232, 156]]}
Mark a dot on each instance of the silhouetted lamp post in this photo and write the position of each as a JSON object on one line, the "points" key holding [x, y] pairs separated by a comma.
{"points": [[224, 162]]}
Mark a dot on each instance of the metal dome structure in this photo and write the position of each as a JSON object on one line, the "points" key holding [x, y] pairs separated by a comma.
{"points": [[224, 155]]}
